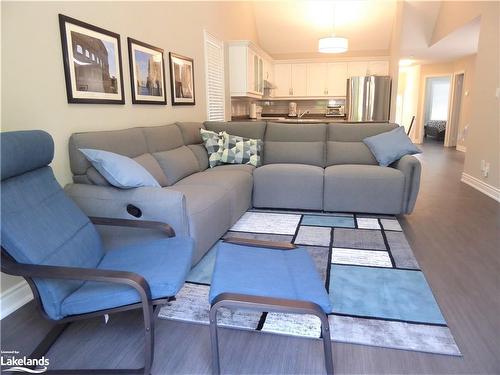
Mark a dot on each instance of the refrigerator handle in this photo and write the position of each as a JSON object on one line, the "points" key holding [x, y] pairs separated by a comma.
{"points": [[366, 99]]}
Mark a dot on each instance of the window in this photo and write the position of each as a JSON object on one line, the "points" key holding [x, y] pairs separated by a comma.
{"points": [[437, 97], [214, 72]]}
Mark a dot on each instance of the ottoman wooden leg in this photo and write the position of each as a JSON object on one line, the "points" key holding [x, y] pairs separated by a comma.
{"points": [[243, 301]]}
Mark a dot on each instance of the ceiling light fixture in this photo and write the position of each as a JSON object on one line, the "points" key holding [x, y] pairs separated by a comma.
{"points": [[333, 44], [405, 62]]}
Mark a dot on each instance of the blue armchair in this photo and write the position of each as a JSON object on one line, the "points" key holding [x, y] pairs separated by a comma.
{"points": [[50, 242]]}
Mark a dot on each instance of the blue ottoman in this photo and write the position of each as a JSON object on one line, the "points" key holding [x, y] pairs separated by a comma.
{"points": [[270, 280]]}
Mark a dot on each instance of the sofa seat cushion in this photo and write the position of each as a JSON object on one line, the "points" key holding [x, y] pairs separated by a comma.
{"points": [[208, 214], [298, 186], [163, 263], [235, 184], [363, 188], [233, 167]]}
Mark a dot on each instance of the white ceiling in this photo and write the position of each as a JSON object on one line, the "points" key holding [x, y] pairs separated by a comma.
{"points": [[419, 19], [294, 27], [291, 29]]}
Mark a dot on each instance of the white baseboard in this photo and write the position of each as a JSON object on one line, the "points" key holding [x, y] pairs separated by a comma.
{"points": [[15, 297], [461, 148], [482, 186]]}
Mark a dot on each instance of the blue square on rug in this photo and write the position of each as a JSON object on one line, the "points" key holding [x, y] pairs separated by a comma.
{"points": [[396, 294], [328, 221]]}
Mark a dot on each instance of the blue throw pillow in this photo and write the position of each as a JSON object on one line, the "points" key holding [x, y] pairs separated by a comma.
{"points": [[391, 146], [119, 170]]}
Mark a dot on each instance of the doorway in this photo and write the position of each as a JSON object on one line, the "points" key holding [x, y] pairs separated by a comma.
{"points": [[436, 109]]}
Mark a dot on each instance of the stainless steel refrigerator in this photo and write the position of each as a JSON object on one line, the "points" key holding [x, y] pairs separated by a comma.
{"points": [[368, 98]]}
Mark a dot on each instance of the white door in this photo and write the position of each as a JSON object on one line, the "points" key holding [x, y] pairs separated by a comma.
{"points": [[357, 68], [299, 79], [378, 68], [283, 79], [337, 79], [317, 79]]}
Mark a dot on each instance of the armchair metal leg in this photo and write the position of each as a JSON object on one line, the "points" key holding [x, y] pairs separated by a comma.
{"points": [[58, 329]]}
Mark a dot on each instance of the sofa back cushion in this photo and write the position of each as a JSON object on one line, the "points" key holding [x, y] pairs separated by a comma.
{"points": [[295, 143], [139, 144], [177, 163], [345, 142], [162, 138], [128, 142], [246, 129]]}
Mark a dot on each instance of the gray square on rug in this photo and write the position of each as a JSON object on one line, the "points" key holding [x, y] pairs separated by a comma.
{"points": [[401, 251], [314, 236], [358, 238]]}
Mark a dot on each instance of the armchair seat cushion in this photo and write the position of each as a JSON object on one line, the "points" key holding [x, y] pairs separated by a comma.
{"points": [[163, 263]]}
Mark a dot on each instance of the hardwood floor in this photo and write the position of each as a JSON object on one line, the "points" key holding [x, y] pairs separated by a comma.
{"points": [[455, 234]]}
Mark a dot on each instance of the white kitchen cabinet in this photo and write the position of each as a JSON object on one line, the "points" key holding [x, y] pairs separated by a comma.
{"points": [[357, 68], [337, 75], [246, 69], [378, 68], [317, 79], [283, 79], [299, 79]]}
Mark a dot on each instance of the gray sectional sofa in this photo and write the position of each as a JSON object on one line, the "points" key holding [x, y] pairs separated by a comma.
{"points": [[311, 167]]}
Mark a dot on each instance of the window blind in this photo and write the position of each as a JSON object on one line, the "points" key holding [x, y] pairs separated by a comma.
{"points": [[214, 72]]}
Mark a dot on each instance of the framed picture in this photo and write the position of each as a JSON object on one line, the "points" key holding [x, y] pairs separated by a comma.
{"points": [[181, 79], [147, 73], [92, 63]]}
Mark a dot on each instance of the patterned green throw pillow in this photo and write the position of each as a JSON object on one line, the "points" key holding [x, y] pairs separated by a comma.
{"points": [[239, 150], [213, 143]]}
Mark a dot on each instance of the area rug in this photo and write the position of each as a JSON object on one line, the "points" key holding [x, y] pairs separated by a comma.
{"points": [[380, 297]]}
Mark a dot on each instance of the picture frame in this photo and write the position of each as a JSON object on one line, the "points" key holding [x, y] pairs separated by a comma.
{"points": [[182, 79], [147, 73], [92, 63]]}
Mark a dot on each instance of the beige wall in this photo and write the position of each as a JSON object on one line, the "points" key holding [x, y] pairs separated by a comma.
{"points": [[408, 97], [464, 65], [33, 77], [33, 86], [483, 139]]}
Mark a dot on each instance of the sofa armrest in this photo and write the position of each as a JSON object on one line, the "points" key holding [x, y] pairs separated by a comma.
{"points": [[410, 167], [155, 204]]}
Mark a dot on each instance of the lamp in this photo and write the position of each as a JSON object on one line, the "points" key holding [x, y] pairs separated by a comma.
{"points": [[333, 44]]}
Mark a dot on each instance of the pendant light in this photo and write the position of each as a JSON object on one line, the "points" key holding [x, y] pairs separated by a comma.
{"points": [[333, 44]]}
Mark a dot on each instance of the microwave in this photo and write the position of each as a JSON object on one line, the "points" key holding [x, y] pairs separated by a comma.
{"points": [[335, 111]]}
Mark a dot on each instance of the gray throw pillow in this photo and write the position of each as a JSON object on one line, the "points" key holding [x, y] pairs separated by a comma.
{"points": [[391, 146], [240, 150], [213, 143]]}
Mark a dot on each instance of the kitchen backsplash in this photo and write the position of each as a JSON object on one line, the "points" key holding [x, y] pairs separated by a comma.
{"points": [[240, 107]]}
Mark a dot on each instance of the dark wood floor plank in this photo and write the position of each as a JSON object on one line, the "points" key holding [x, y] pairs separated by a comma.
{"points": [[455, 234]]}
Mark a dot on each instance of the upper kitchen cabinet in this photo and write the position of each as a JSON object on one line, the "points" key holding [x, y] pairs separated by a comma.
{"points": [[317, 84], [366, 68], [247, 69], [378, 68], [326, 79], [290, 80], [283, 79], [336, 79], [299, 79]]}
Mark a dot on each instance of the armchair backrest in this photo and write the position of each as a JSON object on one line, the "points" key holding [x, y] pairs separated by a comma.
{"points": [[39, 223]]}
